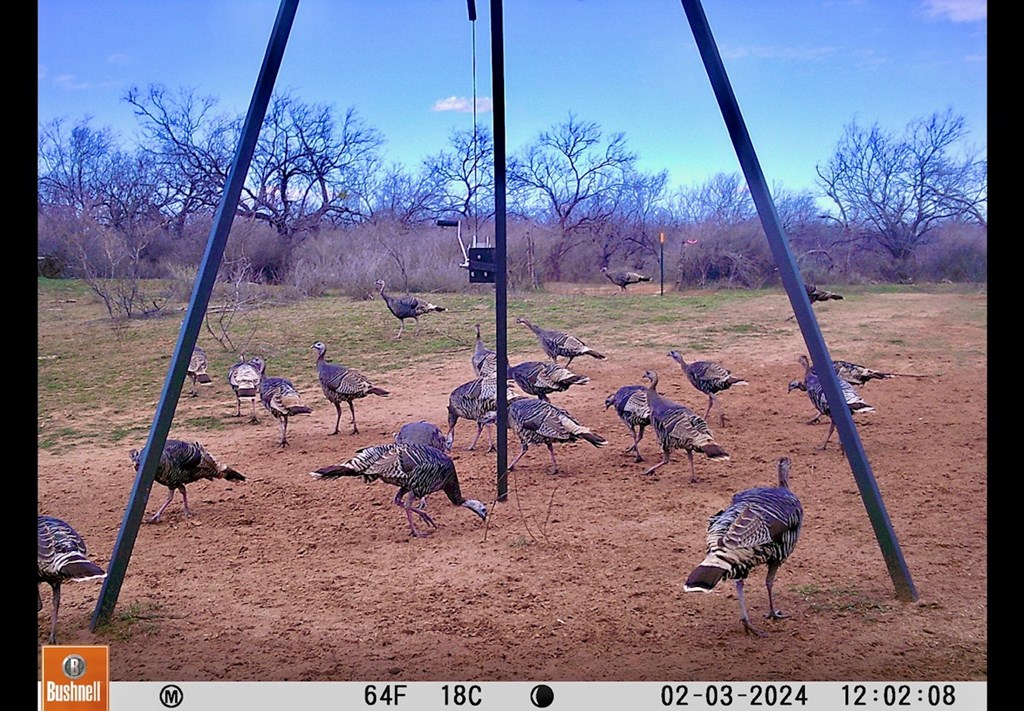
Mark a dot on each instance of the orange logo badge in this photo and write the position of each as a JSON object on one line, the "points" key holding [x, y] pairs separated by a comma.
{"points": [[76, 678]]}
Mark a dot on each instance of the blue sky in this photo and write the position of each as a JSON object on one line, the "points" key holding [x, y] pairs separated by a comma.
{"points": [[801, 70]]}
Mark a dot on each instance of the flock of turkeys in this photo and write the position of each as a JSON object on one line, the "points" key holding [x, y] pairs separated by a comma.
{"points": [[760, 526]]}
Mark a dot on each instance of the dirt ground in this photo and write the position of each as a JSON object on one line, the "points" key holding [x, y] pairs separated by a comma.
{"points": [[576, 576]]}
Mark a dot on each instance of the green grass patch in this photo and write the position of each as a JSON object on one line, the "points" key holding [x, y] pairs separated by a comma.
{"points": [[102, 384]]}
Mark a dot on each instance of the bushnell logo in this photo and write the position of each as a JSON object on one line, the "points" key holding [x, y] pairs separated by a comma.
{"points": [[75, 678]]}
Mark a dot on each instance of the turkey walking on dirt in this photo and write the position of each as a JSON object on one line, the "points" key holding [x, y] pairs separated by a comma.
{"points": [[631, 406], [679, 427], [418, 470], [244, 379], [623, 278], [184, 463], [539, 378], [281, 399], [341, 384], [407, 306], [559, 343], [63, 557], [760, 527], [708, 377], [812, 386], [539, 422], [476, 400], [197, 370]]}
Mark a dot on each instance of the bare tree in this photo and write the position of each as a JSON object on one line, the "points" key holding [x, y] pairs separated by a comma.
{"points": [[892, 191], [642, 205], [307, 167], [74, 166], [464, 176], [396, 195], [234, 320], [570, 177], [191, 145]]}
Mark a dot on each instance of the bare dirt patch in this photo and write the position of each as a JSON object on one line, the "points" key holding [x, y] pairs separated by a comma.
{"points": [[576, 576]]}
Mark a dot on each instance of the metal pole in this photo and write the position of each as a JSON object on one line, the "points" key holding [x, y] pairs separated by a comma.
{"points": [[793, 282], [661, 240], [500, 275], [122, 552]]}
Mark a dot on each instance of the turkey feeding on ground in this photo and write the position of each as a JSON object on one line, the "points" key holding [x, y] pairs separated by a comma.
{"points": [[418, 470]]}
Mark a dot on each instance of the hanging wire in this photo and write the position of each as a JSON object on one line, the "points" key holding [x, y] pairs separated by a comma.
{"points": [[474, 187]]}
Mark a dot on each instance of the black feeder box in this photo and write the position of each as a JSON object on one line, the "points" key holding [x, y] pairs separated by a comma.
{"points": [[481, 265]]}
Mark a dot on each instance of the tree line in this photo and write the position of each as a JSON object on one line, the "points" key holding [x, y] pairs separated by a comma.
{"points": [[322, 209]]}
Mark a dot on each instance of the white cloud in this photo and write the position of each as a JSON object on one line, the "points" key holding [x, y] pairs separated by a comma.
{"points": [[73, 83], [804, 54], [119, 59], [462, 104], [957, 10]]}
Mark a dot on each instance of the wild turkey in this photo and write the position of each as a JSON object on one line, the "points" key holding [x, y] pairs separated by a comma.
{"points": [[407, 306], [816, 294], [679, 427], [244, 378], [812, 386], [558, 343], [476, 400], [418, 470], [708, 377], [341, 384], [856, 374], [184, 463], [281, 400], [424, 432], [539, 422], [623, 278], [631, 406], [63, 557], [539, 378], [760, 527], [197, 370], [484, 360]]}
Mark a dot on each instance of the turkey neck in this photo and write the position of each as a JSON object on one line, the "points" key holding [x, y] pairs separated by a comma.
{"points": [[653, 398]]}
